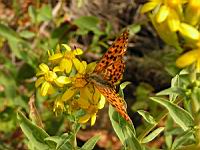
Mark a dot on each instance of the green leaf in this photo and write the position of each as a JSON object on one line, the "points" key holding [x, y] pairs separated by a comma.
{"points": [[62, 142], [44, 13], [32, 13], [35, 134], [10, 85], [89, 145], [182, 139], [124, 130], [152, 135], [122, 87], [168, 137], [173, 92], [178, 114], [88, 23], [134, 28], [27, 34], [146, 115], [9, 33]]}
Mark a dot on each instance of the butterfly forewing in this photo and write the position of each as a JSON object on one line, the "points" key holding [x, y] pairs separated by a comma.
{"points": [[114, 53]]}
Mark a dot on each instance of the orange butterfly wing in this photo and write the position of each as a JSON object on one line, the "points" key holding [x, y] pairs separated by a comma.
{"points": [[115, 100], [109, 71], [111, 66]]}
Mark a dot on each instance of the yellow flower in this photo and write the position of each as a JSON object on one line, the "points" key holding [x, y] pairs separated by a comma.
{"points": [[66, 59], [47, 79], [189, 58], [149, 6], [192, 12], [90, 100], [167, 10], [59, 105], [170, 38]]}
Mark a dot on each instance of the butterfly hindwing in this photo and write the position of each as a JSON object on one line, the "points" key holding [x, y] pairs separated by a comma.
{"points": [[115, 100]]}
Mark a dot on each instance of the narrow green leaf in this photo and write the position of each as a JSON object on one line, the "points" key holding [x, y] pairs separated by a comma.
{"points": [[89, 145], [134, 28], [146, 115], [122, 87], [173, 92], [35, 134], [27, 34], [9, 33], [124, 130], [152, 135], [182, 139], [178, 114], [32, 13]]}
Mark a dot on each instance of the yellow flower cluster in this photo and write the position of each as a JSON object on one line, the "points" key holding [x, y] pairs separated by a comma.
{"points": [[177, 17], [64, 79]]}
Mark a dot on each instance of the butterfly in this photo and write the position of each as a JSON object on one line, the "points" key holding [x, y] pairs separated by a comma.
{"points": [[109, 71]]}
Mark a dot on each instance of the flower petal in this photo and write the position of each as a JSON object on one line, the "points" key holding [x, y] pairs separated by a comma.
{"points": [[44, 67], [102, 102], [148, 7], [66, 65], [51, 90], [93, 119], [57, 69], [40, 73], [187, 58], [44, 88], [198, 65], [39, 81], [80, 67], [67, 47], [189, 31], [61, 80], [173, 21], [90, 67], [162, 14], [78, 51], [69, 93], [84, 118], [83, 101], [55, 56]]}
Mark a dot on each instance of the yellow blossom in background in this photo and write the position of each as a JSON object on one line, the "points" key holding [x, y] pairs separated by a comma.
{"points": [[59, 105], [151, 5], [48, 80], [192, 12], [45, 78], [189, 58], [165, 10], [66, 59]]}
